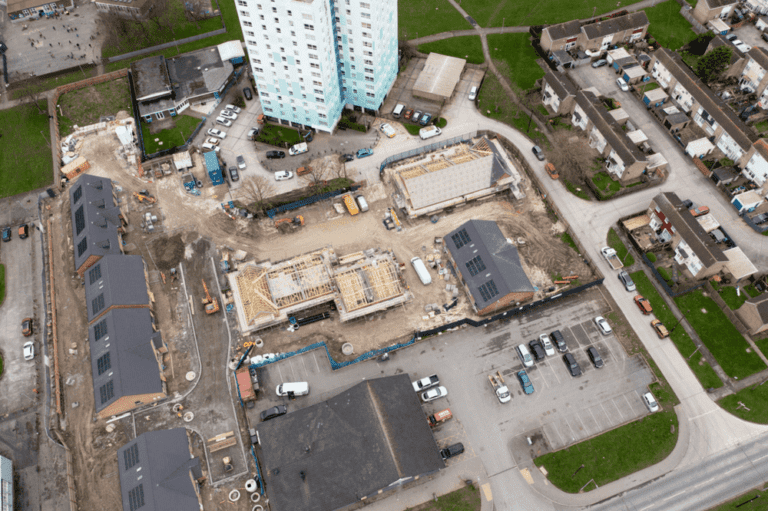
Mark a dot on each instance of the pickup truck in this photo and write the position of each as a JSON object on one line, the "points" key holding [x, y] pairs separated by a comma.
{"points": [[425, 383], [611, 256], [497, 382]]}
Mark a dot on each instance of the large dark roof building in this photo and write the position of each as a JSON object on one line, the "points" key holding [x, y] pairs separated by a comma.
{"points": [[126, 354], [488, 266], [371, 437], [159, 473], [96, 220], [116, 281]]}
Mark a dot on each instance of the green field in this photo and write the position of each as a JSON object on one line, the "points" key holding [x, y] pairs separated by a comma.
{"points": [[171, 137], [234, 33], [668, 26], [463, 499], [516, 52], [420, 18], [733, 300], [717, 332], [52, 83], [612, 455], [144, 34], [26, 161], [621, 250], [278, 136], [576, 190], [494, 103], [84, 106], [464, 47], [678, 335], [545, 12], [413, 129]]}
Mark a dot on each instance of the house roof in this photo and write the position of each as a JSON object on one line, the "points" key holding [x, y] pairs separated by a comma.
{"points": [[677, 118], [564, 30], [689, 229], [760, 304], [350, 446], [115, 280], [155, 470], [633, 20], [714, 106], [739, 264], [487, 262], [440, 75], [199, 72], [150, 77], [760, 55], [713, 4], [656, 94], [95, 218], [761, 146], [122, 358], [609, 128], [561, 84]]}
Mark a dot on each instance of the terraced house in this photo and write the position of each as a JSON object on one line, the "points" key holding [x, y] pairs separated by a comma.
{"points": [[558, 92], [597, 36]]}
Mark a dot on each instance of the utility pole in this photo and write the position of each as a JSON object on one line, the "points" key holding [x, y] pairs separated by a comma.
{"points": [[679, 321]]}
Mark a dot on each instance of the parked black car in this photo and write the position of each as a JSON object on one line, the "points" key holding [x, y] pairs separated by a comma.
{"points": [[572, 365], [452, 450], [537, 349], [233, 174], [594, 356], [538, 152], [347, 157], [275, 155], [559, 340], [247, 94], [7, 234], [275, 411]]}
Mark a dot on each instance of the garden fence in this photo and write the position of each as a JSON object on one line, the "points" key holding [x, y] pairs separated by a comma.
{"points": [[663, 282]]}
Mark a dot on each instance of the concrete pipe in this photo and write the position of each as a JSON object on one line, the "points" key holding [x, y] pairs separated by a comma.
{"points": [[257, 507], [250, 486], [259, 342], [234, 496], [255, 496]]}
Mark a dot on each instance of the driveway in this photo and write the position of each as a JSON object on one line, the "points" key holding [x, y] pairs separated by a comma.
{"points": [[563, 410]]}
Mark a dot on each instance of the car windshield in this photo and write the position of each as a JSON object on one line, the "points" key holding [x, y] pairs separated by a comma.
{"points": [[527, 357]]}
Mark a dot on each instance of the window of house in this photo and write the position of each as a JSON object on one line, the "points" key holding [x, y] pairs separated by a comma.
{"points": [[308, 27], [250, 33], [247, 23], [261, 17], [244, 13]]}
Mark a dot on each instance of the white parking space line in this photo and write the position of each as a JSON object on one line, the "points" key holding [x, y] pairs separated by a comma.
{"points": [[305, 366], [618, 409], [608, 345], [314, 357], [279, 370], [583, 426], [573, 433], [594, 419], [606, 414], [555, 375], [557, 432]]}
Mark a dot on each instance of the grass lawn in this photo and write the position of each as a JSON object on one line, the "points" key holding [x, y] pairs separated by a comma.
{"points": [[178, 135], [755, 398], [52, 83], [441, 122], [152, 36], [621, 250], [668, 26], [26, 161], [578, 192], [420, 18], [665, 275], [613, 454], [762, 345], [761, 126], [568, 240], [545, 12], [234, 32], [465, 47], [679, 336], [463, 499], [516, 51], [751, 290], [717, 332], [493, 102], [606, 184], [742, 502], [651, 256], [413, 129], [729, 296], [276, 135], [84, 106]]}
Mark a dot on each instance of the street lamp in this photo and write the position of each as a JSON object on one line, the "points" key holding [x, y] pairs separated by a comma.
{"points": [[679, 321]]}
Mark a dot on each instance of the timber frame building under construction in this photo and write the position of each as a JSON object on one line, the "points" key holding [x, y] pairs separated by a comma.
{"points": [[431, 182], [267, 294]]}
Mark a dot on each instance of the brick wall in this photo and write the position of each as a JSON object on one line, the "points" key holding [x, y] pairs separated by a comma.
{"points": [[127, 403], [506, 301], [87, 264]]}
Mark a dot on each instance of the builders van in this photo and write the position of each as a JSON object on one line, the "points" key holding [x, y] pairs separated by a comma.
{"points": [[421, 271], [397, 111], [300, 388]]}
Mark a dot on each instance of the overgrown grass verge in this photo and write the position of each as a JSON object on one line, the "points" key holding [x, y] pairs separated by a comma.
{"points": [[621, 250], [278, 136], [494, 103], [668, 26]]}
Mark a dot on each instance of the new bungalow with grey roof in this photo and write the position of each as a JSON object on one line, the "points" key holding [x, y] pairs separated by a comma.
{"points": [[488, 266], [126, 360], [158, 472], [97, 222], [166, 87], [364, 442], [709, 112], [116, 281], [558, 92]]}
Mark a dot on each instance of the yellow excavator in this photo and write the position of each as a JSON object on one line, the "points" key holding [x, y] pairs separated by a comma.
{"points": [[211, 304], [298, 221], [144, 197]]}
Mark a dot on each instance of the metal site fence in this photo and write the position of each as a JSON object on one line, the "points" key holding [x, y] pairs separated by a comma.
{"points": [[308, 200], [441, 144]]}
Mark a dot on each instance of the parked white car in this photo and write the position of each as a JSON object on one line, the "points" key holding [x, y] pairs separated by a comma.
{"points": [[229, 114], [622, 84], [224, 122], [29, 351], [650, 402], [283, 175], [434, 393], [211, 147], [549, 348], [212, 141], [388, 130], [233, 108], [603, 325], [217, 133]]}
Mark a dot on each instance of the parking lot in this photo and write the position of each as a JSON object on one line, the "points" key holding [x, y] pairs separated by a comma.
{"points": [[750, 35], [23, 282], [563, 410]]}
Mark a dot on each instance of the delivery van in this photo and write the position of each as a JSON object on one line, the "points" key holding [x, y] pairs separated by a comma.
{"points": [[298, 149], [397, 111], [300, 388], [429, 132], [421, 271]]}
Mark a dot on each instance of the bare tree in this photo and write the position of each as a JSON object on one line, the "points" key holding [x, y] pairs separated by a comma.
{"points": [[572, 156], [32, 92], [338, 168], [319, 174], [258, 190]]}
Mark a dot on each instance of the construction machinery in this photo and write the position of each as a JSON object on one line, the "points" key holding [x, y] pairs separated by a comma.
{"points": [[299, 221], [144, 197], [211, 304]]}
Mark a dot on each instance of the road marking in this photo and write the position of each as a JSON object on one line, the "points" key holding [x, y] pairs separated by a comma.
{"points": [[527, 475], [314, 356], [735, 468], [758, 459], [617, 408], [583, 426], [573, 436], [606, 414], [630, 404], [555, 374], [487, 492], [673, 496], [608, 345], [594, 419], [305, 367]]}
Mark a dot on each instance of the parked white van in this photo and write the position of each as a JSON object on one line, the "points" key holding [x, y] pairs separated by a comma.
{"points": [[429, 132], [421, 271], [299, 388], [525, 355], [397, 111]]}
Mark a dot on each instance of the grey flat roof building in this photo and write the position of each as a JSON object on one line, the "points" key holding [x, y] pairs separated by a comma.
{"points": [[95, 219], [150, 78], [115, 281], [373, 436], [489, 265], [158, 472], [122, 359]]}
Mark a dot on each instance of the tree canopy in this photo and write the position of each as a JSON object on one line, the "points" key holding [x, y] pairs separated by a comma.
{"points": [[713, 63]]}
